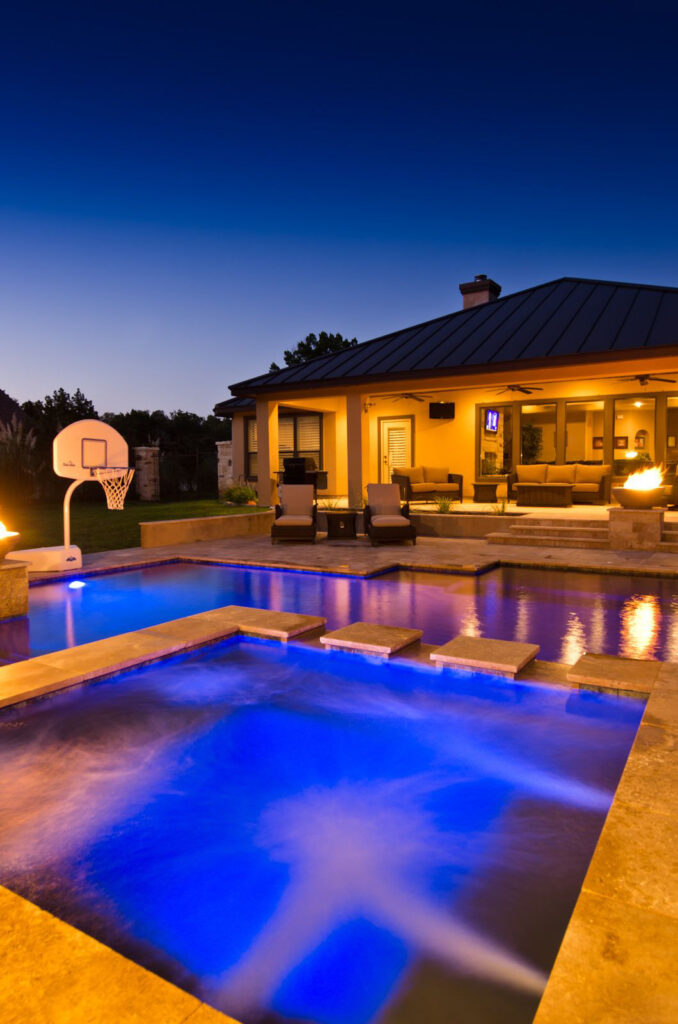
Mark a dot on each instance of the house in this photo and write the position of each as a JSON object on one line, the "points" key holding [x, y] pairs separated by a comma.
{"points": [[572, 370]]}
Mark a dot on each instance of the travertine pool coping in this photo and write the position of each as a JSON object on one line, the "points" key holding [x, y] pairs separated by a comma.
{"points": [[501, 657], [368, 638], [617, 959], [48, 673]]}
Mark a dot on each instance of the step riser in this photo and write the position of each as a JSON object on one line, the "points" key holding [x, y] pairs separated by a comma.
{"points": [[557, 532], [545, 542]]}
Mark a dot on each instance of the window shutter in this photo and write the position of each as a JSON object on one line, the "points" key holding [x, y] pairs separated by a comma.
{"points": [[286, 435], [308, 433], [397, 447]]}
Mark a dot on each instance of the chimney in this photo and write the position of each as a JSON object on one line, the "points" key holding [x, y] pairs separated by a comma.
{"points": [[480, 290]]}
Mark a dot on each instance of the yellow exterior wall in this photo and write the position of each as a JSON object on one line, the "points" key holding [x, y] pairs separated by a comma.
{"points": [[453, 443]]}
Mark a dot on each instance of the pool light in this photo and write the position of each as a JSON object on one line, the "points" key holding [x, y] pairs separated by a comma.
{"points": [[76, 585]]}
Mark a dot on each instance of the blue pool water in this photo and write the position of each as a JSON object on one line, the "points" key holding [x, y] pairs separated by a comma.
{"points": [[301, 835], [566, 613]]}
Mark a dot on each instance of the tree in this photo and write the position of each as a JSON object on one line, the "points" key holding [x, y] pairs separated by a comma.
{"points": [[323, 344], [54, 412], [47, 417]]}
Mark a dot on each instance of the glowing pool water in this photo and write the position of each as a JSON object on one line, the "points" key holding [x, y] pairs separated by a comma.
{"points": [[566, 613], [304, 835]]}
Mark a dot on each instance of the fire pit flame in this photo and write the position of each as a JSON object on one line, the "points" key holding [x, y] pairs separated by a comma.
{"points": [[644, 480]]}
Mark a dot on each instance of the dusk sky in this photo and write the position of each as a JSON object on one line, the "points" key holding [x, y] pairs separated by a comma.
{"points": [[187, 189]]}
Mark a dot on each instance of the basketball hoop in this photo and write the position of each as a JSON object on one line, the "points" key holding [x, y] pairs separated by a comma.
{"points": [[115, 481]]}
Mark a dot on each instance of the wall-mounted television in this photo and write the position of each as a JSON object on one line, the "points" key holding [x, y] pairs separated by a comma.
{"points": [[441, 410], [491, 421]]}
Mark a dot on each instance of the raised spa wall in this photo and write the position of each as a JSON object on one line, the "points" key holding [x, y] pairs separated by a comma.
{"points": [[13, 589]]}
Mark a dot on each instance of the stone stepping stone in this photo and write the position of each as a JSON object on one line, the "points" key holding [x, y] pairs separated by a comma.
{"points": [[501, 657], [615, 673], [368, 638]]}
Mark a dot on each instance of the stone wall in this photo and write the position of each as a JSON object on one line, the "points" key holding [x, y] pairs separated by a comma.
{"points": [[13, 589], [225, 474], [147, 475], [186, 531]]}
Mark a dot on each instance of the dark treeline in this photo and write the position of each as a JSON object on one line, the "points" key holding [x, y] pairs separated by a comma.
{"points": [[188, 462]]}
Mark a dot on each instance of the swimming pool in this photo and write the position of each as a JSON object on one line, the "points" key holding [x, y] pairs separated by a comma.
{"points": [[566, 613], [305, 835]]}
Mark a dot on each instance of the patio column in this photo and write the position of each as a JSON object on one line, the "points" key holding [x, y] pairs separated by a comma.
{"points": [[354, 449], [267, 450]]}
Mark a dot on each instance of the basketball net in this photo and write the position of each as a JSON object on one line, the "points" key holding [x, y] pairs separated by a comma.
{"points": [[115, 481]]}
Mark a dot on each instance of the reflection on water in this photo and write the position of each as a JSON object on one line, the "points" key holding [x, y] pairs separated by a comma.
{"points": [[574, 641], [565, 613], [296, 835], [640, 627]]}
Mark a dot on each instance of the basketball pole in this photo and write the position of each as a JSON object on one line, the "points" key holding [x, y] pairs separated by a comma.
{"points": [[67, 513]]}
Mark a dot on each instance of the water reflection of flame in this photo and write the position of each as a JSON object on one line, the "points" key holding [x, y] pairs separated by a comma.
{"points": [[640, 619], [574, 641]]}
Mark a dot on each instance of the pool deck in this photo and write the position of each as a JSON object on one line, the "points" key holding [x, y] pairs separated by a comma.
{"points": [[359, 558]]}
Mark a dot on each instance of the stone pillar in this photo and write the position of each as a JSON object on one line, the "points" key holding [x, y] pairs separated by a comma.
{"points": [[147, 475], [267, 450], [13, 589], [224, 466], [636, 529], [354, 449]]}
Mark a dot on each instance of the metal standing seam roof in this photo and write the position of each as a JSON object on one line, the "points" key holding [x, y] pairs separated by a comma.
{"points": [[563, 318]]}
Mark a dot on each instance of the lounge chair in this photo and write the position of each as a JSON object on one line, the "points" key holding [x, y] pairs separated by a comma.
{"points": [[295, 516], [386, 519]]}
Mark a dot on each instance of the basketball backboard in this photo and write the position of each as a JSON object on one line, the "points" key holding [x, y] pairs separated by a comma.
{"points": [[82, 447]]}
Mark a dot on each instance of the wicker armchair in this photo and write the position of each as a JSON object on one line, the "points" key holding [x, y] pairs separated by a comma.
{"points": [[386, 520], [295, 516]]}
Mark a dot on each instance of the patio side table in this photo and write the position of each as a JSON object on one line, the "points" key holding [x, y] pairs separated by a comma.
{"points": [[485, 490], [341, 523]]}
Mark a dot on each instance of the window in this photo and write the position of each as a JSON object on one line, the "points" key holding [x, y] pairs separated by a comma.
{"points": [[496, 439], [584, 441], [537, 433], [298, 435], [634, 437]]}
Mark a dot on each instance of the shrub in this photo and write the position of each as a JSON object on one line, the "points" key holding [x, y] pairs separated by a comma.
{"points": [[443, 504], [240, 494]]}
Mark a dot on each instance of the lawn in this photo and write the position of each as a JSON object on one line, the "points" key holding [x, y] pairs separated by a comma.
{"points": [[94, 528]]}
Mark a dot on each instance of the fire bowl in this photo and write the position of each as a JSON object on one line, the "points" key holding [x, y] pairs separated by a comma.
{"points": [[631, 498], [8, 543]]}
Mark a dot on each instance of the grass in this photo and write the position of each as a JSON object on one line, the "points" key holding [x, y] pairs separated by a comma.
{"points": [[94, 528]]}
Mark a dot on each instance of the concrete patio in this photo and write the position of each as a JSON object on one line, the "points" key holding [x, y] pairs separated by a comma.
{"points": [[359, 558]]}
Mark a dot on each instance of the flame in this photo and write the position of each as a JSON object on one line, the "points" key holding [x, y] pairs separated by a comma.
{"points": [[4, 532], [645, 479]]}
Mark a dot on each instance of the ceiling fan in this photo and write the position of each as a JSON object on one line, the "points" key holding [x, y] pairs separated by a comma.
{"points": [[520, 388], [645, 378], [408, 395]]}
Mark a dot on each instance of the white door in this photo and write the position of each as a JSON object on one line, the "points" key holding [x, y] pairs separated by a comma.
{"points": [[396, 447]]}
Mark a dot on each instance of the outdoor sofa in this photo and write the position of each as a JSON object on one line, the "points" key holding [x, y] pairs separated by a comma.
{"points": [[426, 483], [385, 518], [577, 483], [295, 515]]}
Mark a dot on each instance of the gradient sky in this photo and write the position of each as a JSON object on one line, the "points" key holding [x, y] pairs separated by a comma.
{"points": [[186, 189]]}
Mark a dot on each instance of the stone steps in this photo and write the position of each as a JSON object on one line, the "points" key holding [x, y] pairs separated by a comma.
{"points": [[547, 540], [586, 532]]}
